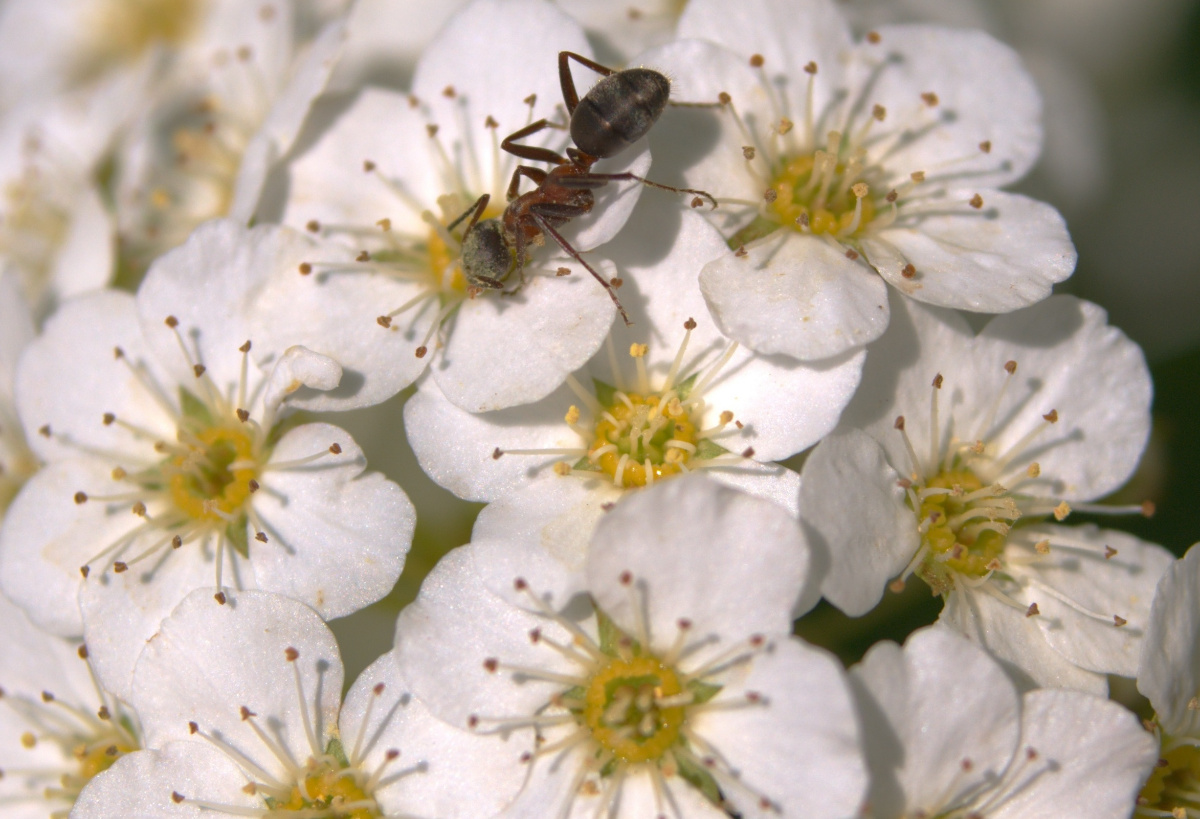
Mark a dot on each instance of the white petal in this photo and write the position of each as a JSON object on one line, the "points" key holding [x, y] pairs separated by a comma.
{"points": [[1017, 641], [462, 775], [69, 377], [503, 352], [208, 661], [299, 367], [86, 259], [983, 92], [16, 330], [1076, 569], [337, 537], [795, 295], [732, 564], [1169, 674], [941, 721], [1093, 757], [801, 748], [140, 785], [1003, 257], [857, 518]]}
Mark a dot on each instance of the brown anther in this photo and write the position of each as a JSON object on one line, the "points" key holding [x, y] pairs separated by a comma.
{"points": [[696, 202], [917, 176], [770, 195], [81, 497], [899, 423], [369, 166], [171, 322], [892, 196], [385, 224], [531, 100], [739, 425], [384, 321], [756, 61], [938, 381], [1148, 509], [785, 125], [519, 584], [364, 256], [220, 597], [312, 226], [690, 324], [198, 369], [1033, 610], [908, 271], [810, 68], [103, 713], [976, 202], [1119, 621], [242, 415], [1109, 552], [118, 473], [139, 509], [246, 713], [335, 449], [421, 351], [1051, 416], [193, 727], [261, 537], [449, 93], [245, 348], [491, 665], [496, 453], [608, 506], [291, 654], [930, 99], [490, 122], [873, 37], [986, 146], [118, 352], [683, 624], [748, 452], [82, 651], [108, 418], [378, 689], [176, 542], [724, 98], [741, 252], [85, 571], [625, 578], [305, 269], [757, 640], [413, 101], [244, 53], [252, 485], [852, 255], [1042, 547], [177, 797], [431, 129], [562, 271], [967, 765], [879, 113], [748, 151], [616, 282], [120, 567]]}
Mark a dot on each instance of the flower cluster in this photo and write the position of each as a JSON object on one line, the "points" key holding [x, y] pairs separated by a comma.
{"points": [[643, 313]]}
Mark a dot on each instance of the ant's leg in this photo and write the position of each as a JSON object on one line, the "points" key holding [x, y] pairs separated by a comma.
{"points": [[570, 95], [475, 211], [537, 175], [566, 182], [565, 245], [532, 152]]}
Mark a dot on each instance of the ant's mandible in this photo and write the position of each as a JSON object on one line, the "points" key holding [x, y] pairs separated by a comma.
{"points": [[618, 111]]}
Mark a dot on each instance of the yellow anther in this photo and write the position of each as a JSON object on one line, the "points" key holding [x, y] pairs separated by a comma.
{"points": [[638, 350]]}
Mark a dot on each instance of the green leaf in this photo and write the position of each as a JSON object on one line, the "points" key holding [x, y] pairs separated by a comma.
{"points": [[684, 388], [335, 750], [194, 409], [606, 394], [702, 691], [586, 466], [610, 635], [238, 537], [699, 778], [706, 449]]}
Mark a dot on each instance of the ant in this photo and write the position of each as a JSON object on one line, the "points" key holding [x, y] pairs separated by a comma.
{"points": [[618, 111]]}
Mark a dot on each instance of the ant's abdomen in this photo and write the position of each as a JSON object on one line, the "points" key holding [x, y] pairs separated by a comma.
{"points": [[618, 111]]}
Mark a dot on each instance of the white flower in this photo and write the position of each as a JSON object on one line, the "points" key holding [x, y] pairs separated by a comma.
{"points": [[837, 160], [947, 734], [952, 459], [56, 233], [58, 727], [17, 463], [204, 142], [673, 689], [242, 706], [626, 28], [667, 396], [171, 465], [1169, 676], [392, 175]]}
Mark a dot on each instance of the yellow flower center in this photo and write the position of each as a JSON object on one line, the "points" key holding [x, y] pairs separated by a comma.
{"points": [[1173, 789], [329, 789], [821, 190], [962, 534], [98, 756], [625, 710], [213, 480], [643, 438]]}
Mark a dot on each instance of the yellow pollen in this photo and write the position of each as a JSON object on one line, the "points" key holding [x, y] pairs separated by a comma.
{"points": [[622, 708], [815, 187], [1172, 788], [331, 790], [965, 536], [202, 484], [99, 756], [640, 430]]}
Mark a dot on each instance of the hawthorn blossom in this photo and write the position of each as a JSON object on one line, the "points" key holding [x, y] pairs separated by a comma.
{"points": [[624, 29], [58, 727], [660, 681], [1169, 676], [947, 734], [17, 462], [402, 196], [838, 160], [204, 142], [171, 463], [957, 460], [667, 396], [243, 714]]}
